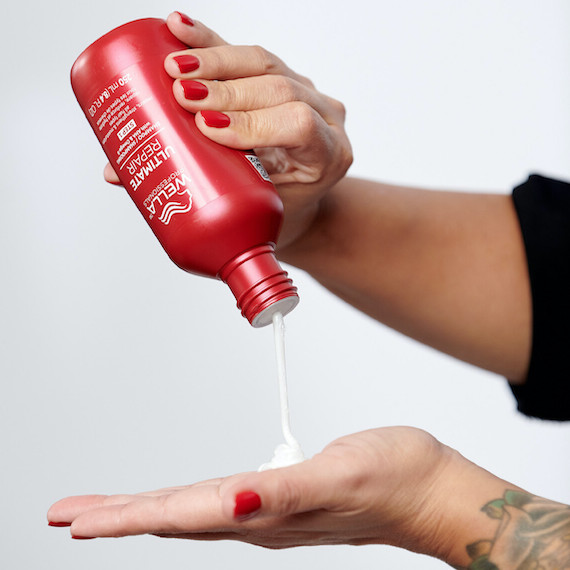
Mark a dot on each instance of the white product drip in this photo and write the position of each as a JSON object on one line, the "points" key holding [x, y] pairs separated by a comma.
{"points": [[290, 452]]}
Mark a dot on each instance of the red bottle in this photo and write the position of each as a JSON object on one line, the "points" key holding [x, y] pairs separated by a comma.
{"points": [[213, 209]]}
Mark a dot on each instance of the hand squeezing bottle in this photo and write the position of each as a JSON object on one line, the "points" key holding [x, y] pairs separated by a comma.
{"points": [[213, 209]]}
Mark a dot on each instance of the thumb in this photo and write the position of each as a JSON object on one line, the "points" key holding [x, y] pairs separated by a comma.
{"points": [[280, 492]]}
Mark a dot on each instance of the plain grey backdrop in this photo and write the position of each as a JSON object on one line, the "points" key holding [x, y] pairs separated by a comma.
{"points": [[121, 373]]}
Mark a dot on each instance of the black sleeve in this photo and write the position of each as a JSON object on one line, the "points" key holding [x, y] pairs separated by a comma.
{"points": [[543, 208]]}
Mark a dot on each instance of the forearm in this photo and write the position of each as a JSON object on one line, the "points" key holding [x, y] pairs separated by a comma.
{"points": [[445, 268]]}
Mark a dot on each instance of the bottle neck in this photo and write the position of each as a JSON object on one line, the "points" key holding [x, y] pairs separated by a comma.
{"points": [[259, 284]]}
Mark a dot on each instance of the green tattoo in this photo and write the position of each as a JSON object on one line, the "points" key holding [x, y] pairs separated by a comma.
{"points": [[533, 534]]}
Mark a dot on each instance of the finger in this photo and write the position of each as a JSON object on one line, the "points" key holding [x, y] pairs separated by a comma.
{"points": [[66, 510], [176, 489], [192, 32], [110, 175], [253, 93], [286, 126], [229, 62], [197, 509]]}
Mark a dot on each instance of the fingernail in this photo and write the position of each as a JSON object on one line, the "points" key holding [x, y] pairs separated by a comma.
{"points": [[194, 90], [77, 537], [59, 524], [187, 63], [216, 119], [185, 19], [247, 505]]}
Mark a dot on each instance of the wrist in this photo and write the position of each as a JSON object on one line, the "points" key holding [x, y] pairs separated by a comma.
{"points": [[297, 226], [458, 522], [310, 233]]}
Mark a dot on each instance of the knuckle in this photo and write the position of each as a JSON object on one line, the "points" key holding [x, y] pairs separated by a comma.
{"points": [[266, 60], [218, 63], [346, 156], [289, 499], [226, 93], [339, 108], [110, 500], [306, 81], [354, 471], [166, 510], [285, 88], [249, 122], [306, 118]]}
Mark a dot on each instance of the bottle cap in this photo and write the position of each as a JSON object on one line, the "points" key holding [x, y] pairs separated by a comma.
{"points": [[259, 284]]}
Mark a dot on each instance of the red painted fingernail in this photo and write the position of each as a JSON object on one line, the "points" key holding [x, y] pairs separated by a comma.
{"points": [[59, 524], [187, 63], [216, 119], [77, 537], [185, 19], [247, 505], [194, 90]]}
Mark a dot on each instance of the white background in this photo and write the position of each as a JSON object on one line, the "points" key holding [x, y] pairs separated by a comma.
{"points": [[121, 373]]}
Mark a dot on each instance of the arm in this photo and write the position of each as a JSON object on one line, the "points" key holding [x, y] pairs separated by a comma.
{"points": [[396, 486], [446, 268]]}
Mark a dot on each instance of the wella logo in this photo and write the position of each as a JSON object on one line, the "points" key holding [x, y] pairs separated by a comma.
{"points": [[170, 198]]}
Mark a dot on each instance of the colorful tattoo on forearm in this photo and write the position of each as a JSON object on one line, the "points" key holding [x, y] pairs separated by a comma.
{"points": [[533, 534]]}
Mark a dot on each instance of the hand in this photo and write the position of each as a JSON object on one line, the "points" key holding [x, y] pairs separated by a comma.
{"points": [[383, 486], [297, 132]]}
